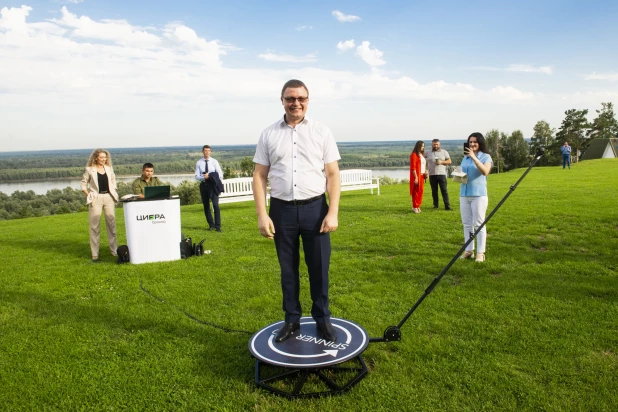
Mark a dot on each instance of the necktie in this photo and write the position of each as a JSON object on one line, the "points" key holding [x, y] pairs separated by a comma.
{"points": [[206, 166]]}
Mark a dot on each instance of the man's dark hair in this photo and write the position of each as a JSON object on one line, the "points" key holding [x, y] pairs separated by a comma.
{"points": [[480, 139], [294, 84], [435, 140], [205, 147], [148, 166]]}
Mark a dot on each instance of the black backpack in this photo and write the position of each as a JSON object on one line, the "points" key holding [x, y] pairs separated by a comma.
{"points": [[186, 248], [123, 254]]}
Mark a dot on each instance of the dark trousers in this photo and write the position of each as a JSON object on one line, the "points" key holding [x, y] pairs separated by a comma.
{"points": [[209, 194], [435, 181], [293, 223]]}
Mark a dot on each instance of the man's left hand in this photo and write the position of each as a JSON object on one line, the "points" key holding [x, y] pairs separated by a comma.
{"points": [[329, 224]]}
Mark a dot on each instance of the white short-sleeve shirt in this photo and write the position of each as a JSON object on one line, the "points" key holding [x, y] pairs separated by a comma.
{"points": [[296, 157]]}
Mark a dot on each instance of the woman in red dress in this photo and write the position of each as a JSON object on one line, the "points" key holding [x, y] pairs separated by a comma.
{"points": [[418, 174]]}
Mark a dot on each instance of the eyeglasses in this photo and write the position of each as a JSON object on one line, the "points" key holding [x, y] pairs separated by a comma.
{"points": [[293, 99]]}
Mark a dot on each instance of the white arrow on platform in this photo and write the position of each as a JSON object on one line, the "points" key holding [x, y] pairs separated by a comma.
{"points": [[331, 352], [347, 332]]}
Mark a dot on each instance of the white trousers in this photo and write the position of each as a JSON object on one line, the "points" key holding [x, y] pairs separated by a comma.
{"points": [[473, 210], [102, 204]]}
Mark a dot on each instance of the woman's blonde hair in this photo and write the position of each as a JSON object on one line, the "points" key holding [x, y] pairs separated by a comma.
{"points": [[92, 161]]}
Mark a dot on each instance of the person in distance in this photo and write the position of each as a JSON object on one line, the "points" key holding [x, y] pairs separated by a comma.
{"points": [[566, 155], [99, 186], [473, 195], [300, 157], [437, 161], [418, 174], [210, 175], [145, 180]]}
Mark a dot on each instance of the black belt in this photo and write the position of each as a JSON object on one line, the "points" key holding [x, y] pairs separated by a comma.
{"points": [[301, 201], [103, 193]]}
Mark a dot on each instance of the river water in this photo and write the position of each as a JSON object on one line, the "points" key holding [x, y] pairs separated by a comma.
{"points": [[41, 187]]}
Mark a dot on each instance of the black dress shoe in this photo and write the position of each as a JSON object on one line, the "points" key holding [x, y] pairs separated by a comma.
{"points": [[286, 331], [447, 208], [327, 330], [211, 228], [218, 230]]}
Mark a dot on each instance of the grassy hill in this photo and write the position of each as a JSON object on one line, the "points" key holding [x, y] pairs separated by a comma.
{"points": [[534, 328]]}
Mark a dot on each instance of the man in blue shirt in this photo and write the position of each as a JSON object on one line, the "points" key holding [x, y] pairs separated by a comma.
{"points": [[566, 155]]}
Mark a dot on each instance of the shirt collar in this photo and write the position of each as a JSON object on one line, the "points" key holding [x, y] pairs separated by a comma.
{"points": [[283, 123]]}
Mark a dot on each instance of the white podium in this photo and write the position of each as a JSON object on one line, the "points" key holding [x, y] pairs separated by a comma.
{"points": [[153, 230]]}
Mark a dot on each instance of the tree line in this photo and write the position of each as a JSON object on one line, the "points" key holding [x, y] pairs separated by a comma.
{"points": [[512, 151], [21, 204], [234, 163]]}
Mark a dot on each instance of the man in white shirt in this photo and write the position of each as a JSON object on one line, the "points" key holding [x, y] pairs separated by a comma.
{"points": [[299, 156], [208, 172]]}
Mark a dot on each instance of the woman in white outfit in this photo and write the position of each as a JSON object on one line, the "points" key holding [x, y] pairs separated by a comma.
{"points": [[99, 187], [473, 195]]}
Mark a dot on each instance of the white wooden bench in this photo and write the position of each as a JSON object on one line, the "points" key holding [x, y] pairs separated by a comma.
{"points": [[239, 189], [355, 179]]}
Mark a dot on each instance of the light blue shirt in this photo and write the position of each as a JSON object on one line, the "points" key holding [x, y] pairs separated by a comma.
{"points": [[477, 183], [213, 166], [566, 150]]}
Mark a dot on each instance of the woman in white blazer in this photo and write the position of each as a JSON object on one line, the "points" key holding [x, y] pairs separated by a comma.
{"points": [[99, 186]]}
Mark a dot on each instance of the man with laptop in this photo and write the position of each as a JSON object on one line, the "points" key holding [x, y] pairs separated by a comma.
{"points": [[145, 180]]}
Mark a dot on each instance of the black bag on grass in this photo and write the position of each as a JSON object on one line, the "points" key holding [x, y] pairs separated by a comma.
{"points": [[198, 248], [123, 254], [186, 248]]}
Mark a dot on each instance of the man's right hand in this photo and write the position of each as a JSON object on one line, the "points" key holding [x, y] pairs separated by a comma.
{"points": [[205, 175], [266, 227]]}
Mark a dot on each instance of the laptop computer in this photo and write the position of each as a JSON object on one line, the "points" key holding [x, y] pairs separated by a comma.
{"points": [[157, 192]]}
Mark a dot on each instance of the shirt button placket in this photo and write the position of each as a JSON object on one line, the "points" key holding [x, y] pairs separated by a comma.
{"points": [[294, 162]]}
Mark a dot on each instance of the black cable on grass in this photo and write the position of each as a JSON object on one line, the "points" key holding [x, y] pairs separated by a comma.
{"points": [[190, 316]]}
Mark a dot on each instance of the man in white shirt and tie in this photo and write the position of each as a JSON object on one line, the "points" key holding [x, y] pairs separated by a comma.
{"points": [[208, 188]]}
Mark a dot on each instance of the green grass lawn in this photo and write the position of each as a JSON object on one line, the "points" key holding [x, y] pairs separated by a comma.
{"points": [[534, 328]]}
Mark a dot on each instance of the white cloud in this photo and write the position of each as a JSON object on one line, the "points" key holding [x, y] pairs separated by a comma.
{"points": [[511, 93], [372, 57], [74, 1], [49, 62], [117, 31], [521, 68], [271, 56], [612, 77], [14, 19], [345, 45], [524, 68], [303, 28], [122, 83], [345, 18]]}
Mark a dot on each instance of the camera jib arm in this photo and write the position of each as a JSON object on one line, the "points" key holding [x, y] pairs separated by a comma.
{"points": [[393, 333]]}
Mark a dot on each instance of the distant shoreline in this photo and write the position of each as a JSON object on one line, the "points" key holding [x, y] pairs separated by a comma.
{"points": [[58, 179], [198, 147]]}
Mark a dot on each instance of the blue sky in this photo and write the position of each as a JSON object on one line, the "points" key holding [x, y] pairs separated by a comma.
{"points": [[80, 74]]}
